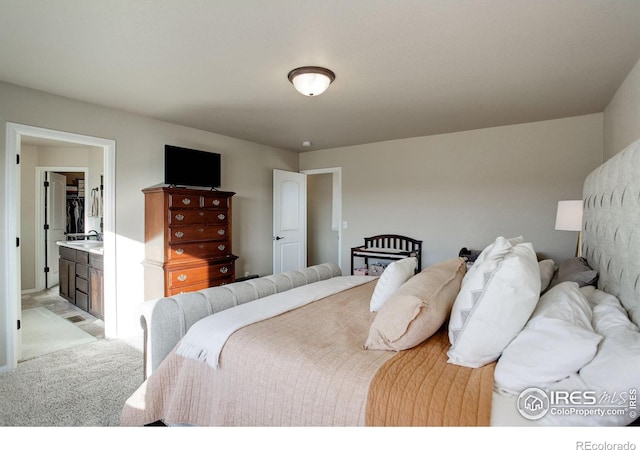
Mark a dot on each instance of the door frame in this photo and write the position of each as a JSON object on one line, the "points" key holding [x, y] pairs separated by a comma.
{"points": [[336, 216], [39, 217], [10, 300]]}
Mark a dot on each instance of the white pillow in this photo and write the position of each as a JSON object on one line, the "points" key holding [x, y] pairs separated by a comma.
{"points": [[557, 341], [615, 367], [608, 313], [547, 269], [391, 279], [613, 371], [493, 306], [499, 246], [566, 302]]}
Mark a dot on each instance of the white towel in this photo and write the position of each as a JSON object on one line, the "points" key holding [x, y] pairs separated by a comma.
{"points": [[206, 338], [95, 203]]}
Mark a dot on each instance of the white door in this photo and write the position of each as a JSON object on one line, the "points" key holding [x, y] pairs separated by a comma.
{"points": [[289, 221], [56, 219]]}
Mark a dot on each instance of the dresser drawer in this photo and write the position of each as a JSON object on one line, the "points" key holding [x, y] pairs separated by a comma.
{"points": [[184, 201], [185, 277], [198, 286], [202, 232], [198, 250], [189, 216], [215, 202]]}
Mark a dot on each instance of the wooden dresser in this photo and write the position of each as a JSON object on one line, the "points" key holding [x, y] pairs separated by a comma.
{"points": [[187, 240]]}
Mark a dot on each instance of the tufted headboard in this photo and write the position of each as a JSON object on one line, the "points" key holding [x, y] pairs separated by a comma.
{"points": [[611, 227]]}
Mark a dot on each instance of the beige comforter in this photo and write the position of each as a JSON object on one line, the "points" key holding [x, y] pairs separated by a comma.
{"points": [[306, 367], [417, 387]]}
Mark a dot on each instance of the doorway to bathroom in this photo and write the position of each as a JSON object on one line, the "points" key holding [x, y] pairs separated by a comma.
{"points": [[57, 186], [11, 275]]}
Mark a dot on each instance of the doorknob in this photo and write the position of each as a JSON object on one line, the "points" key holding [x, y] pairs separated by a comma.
{"points": [[277, 238]]}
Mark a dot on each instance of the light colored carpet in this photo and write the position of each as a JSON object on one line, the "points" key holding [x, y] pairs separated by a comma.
{"points": [[44, 332], [86, 385]]}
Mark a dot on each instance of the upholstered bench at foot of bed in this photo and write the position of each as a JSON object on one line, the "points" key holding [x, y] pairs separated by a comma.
{"points": [[166, 320]]}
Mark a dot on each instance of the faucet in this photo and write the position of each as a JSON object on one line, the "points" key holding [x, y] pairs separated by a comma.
{"points": [[97, 235]]}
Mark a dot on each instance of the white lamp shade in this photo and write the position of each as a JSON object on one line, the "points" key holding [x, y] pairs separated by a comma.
{"points": [[311, 83], [311, 80], [569, 215]]}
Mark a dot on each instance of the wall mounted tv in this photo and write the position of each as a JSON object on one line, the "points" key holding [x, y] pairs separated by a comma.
{"points": [[189, 167]]}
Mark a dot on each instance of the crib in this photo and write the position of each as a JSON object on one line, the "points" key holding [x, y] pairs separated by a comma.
{"points": [[387, 247]]}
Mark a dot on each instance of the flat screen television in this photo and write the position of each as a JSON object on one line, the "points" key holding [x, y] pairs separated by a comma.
{"points": [[189, 167]]}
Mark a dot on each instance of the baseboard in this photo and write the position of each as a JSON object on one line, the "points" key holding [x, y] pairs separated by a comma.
{"points": [[30, 291]]}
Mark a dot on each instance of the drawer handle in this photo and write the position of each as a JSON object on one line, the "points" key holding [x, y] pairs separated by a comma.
{"points": [[180, 251], [201, 230], [182, 277], [179, 234], [186, 201], [201, 213], [224, 269], [179, 217], [221, 232], [216, 202], [221, 216], [221, 247], [201, 246]]}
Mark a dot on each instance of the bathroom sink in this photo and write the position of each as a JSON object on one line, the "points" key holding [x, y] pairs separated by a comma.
{"points": [[85, 244], [81, 245]]}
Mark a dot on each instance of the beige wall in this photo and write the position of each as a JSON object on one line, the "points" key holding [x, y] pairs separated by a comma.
{"points": [[322, 240], [246, 170], [622, 115], [464, 189]]}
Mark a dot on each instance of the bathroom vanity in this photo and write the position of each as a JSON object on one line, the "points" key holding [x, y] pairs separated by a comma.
{"points": [[82, 275]]}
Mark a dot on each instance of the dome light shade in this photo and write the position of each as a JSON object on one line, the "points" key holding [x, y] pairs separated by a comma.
{"points": [[311, 80]]}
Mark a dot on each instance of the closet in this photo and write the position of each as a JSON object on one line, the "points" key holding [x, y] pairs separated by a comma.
{"points": [[75, 202]]}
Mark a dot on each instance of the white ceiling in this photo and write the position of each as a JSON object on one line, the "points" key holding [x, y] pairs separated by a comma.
{"points": [[403, 68]]}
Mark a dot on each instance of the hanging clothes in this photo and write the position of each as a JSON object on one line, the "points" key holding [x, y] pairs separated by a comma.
{"points": [[75, 215]]}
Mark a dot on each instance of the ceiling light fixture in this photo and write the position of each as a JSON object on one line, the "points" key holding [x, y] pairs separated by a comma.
{"points": [[311, 80]]}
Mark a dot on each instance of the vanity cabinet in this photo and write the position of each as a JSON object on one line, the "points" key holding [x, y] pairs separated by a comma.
{"points": [[188, 242], [67, 271], [81, 280], [96, 286]]}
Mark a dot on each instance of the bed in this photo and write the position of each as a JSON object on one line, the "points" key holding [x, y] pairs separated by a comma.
{"points": [[445, 347]]}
